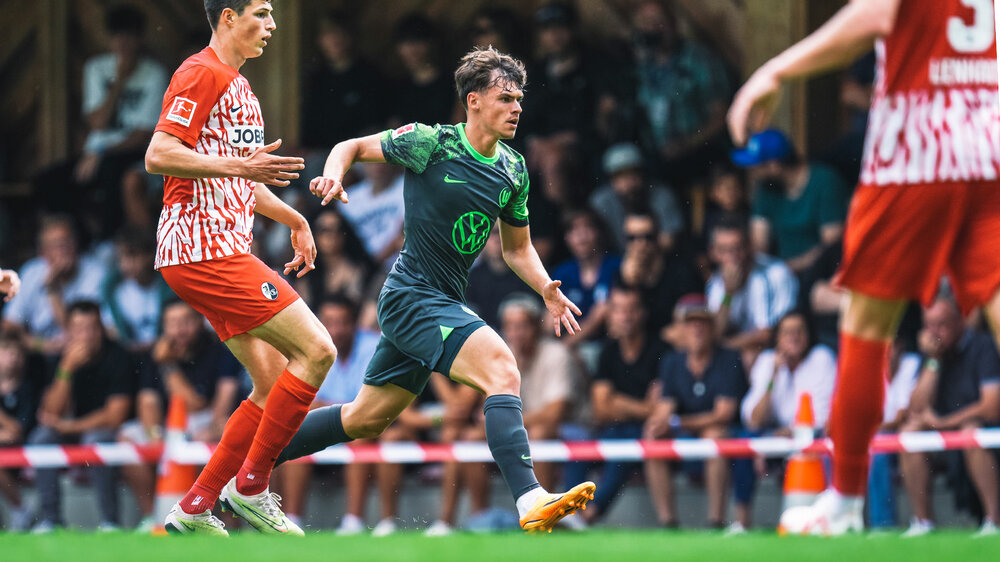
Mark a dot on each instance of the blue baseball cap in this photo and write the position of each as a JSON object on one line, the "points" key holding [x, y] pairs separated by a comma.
{"points": [[767, 145]]}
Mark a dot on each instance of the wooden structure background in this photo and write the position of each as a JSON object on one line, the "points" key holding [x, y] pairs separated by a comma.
{"points": [[41, 58]]}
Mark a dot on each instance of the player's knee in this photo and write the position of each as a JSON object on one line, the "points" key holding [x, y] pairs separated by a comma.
{"points": [[370, 429], [324, 354], [503, 376]]}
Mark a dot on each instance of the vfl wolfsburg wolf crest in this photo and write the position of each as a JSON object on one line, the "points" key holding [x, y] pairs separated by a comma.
{"points": [[470, 231]]}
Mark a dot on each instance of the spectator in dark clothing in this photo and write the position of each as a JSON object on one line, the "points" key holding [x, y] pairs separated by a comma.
{"points": [[629, 191], [342, 264], [798, 207], [958, 389], [726, 197], [625, 390], [845, 151], [17, 417], [683, 89], [189, 362], [89, 398], [588, 276], [663, 277], [427, 93], [490, 282], [501, 28], [701, 392], [342, 95], [567, 83]]}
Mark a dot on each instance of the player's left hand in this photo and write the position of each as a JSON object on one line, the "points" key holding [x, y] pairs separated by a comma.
{"points": [[561, 308], [753, 105], [328, 188], [10, 283], [305, 251]]}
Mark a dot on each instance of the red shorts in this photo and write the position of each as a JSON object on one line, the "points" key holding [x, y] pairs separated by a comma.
{"points": [[236, 294], [900, 241]]}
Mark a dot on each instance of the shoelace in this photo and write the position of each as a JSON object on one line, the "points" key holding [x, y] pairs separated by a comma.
{"points": [[271, 504]]}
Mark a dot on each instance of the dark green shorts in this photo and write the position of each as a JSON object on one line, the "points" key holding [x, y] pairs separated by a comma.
{"points": [[422, 331]]}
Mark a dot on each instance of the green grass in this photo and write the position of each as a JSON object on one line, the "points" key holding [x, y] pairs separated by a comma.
{"points": [[594, 545]]}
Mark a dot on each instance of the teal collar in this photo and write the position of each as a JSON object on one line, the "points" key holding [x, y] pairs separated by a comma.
{"points": [[472, 151]]}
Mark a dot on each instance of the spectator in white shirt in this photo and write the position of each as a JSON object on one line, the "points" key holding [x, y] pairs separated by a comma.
{"points": [[748, 292], [134, 294], [778, 380], [122, 97], [376, 212], [58, 277]]}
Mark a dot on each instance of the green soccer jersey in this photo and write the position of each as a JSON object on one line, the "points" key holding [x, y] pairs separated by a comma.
{"points": [[452, 196]]}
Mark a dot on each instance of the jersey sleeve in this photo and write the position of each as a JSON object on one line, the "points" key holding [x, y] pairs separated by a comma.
{"points": [[410, 146], [192, 93], [515, 212]]}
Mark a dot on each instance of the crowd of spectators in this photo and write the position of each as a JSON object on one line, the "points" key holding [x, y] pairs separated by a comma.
{"points": [[705, 278]]}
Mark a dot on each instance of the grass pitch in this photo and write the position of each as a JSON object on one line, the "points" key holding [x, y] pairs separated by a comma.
{"points": [[593, 545]]}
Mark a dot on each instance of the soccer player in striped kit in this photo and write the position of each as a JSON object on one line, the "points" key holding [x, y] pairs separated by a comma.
{"points": [[209, 145], [927, 205]]}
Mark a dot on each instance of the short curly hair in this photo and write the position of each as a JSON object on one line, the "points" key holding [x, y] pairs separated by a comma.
{"points": [[485, 67]]}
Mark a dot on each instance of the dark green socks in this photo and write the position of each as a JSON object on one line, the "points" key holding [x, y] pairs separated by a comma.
{"points": [[508, 442], [321, 428]]}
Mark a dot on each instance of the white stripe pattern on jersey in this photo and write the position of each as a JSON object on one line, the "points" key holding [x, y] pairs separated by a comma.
{"points": [[217, 221]]}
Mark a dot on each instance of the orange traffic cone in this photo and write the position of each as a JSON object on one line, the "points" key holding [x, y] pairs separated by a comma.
{"points": [[174, 480], [804, 476]]}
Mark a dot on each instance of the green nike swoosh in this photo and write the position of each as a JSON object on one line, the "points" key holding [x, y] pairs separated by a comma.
{"points": [[449, 180], [525, 457]]}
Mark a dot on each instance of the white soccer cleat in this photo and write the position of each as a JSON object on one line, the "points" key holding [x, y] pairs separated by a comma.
{"points": [[918, 528], [180, 523], [262, 511], [830, 515]]}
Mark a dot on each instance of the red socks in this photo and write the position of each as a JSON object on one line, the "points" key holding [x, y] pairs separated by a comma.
{"points": [[857, 410], [236, 440], [286, 407]]}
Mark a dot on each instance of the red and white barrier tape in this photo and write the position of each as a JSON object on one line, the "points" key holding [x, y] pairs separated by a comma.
{"points": [[196, 453]]}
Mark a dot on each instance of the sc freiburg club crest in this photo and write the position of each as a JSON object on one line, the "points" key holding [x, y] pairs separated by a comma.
{"points": [[269, 291], [470, 232]]}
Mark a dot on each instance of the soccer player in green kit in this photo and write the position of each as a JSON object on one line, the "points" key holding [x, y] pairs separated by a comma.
{"points": [[459, 180]]}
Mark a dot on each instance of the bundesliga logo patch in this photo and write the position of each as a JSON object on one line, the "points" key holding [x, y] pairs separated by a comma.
{"points": [[182, 111], [403, 130], [269, 291]]}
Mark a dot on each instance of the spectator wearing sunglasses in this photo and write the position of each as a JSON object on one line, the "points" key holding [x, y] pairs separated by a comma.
{"points": [[662, 277]]}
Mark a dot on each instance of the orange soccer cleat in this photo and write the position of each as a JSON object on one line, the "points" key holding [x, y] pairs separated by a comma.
{"points": [[551, 508]]}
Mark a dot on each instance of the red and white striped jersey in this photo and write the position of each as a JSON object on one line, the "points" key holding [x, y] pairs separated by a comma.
{"points": [[210, 108], [934, 115]]}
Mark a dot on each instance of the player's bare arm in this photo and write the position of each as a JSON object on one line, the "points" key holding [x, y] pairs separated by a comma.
{"points": [[272, 207], [523, 260], [846, 36], [341, 158], [167, 155]]}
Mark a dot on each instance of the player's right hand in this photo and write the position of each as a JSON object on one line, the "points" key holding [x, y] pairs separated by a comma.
{"points": [[328, 188], [263, 167], [754, 105]]}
